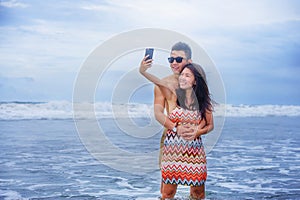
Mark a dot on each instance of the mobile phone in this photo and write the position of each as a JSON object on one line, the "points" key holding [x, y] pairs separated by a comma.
{"points": [[149, 51]]}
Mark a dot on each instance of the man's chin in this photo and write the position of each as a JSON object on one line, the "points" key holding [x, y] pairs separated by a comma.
{"points": [[176, 71]]}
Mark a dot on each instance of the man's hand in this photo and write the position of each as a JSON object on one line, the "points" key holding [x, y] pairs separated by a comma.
{"points": [[187, 131], [145, 64]]}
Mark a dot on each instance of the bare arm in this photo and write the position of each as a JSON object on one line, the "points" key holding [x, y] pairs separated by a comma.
{"points": [[163, 92], [202, 129], [209, 125], [164, 86], [159, 105]]}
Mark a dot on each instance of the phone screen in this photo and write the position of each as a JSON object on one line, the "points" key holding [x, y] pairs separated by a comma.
{"points": [[149, 51]]}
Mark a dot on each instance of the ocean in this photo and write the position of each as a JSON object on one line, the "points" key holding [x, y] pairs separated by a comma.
{"points": [[44, 154]]}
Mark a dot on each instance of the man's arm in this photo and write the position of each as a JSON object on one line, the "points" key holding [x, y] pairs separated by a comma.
{"points": [[199, 130], [209, 125], [159, 106], [165, 86]]}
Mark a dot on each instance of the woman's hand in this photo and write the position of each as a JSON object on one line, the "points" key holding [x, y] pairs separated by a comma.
{"points": [[145, 64]]}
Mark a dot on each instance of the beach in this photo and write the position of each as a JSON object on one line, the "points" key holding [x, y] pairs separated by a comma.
{"points": [[255, 157]]}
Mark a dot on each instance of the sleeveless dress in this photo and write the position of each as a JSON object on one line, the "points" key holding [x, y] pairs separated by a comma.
{"points": [[183, 162]]}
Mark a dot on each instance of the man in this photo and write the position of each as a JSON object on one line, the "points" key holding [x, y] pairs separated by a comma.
{"points": [[179, 50], [180, 56]]}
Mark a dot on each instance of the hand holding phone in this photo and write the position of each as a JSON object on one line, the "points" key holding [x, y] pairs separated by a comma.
{"points": [[149, 51]]}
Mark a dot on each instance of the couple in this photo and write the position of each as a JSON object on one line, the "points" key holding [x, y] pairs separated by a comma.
{"points": [[186, 98]]}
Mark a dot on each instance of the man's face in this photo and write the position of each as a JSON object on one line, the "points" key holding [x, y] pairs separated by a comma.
{"points": [[177, 66]]}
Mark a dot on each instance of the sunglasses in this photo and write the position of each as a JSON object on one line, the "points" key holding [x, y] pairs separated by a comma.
{"points": [[178, 59]]}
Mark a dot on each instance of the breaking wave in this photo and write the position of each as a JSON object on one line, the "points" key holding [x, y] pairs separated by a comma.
{"points": [[65, 110]]}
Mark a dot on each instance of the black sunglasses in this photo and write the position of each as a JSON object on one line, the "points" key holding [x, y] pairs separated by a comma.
{"points": [[178, 59]]}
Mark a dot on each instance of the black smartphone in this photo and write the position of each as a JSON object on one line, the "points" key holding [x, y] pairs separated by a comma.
{"points": [[149, 51]]}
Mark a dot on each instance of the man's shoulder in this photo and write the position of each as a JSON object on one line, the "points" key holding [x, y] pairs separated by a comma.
{"points": [[167, 78]]}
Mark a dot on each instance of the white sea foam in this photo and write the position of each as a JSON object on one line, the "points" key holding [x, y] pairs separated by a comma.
{"points": [[11, 195], [262, 110], [67, 110]]}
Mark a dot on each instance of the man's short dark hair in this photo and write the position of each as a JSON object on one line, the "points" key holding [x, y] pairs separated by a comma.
{"points": [[181, 46]]}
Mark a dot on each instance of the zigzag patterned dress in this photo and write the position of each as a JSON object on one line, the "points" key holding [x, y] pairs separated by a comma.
{"points": [[183, 162]]}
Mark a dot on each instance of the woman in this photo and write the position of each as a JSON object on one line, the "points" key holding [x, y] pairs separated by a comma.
{"points": [[183, 159]]}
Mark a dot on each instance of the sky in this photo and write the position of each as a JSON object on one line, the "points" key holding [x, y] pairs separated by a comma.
{"points": [[255, 45]]}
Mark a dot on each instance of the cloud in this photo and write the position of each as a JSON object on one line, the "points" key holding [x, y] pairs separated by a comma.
{"points": [[244, 38], [97, 7], [13, 4], [44, 47], [15, 88], [197, 14]]}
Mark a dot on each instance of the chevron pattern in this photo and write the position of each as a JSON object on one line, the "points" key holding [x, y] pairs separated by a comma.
{"points": [[183, 162]]}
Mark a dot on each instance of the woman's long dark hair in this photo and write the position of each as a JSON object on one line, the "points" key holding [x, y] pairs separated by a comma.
{"points": [[201, 96]]}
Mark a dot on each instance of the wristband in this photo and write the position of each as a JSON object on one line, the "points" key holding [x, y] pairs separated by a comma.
{"points": [[175, 128]]}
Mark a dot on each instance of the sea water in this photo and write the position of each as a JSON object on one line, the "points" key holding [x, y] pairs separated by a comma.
{"points": [[42, 157]]}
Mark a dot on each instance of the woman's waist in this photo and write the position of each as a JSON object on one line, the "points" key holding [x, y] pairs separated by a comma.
{"points": [[180, 121]]}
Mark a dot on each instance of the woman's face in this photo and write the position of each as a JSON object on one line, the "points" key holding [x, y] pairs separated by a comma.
{"points": [[186, 79]]}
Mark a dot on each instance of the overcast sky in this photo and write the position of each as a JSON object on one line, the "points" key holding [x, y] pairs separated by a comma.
{"points": [[255, 45]]}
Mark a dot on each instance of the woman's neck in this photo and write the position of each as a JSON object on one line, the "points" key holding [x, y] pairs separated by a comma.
{"points": [[188, 97]]}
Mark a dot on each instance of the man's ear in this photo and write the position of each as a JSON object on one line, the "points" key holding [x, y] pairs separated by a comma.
{"points": [[189, 61]]}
